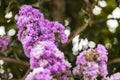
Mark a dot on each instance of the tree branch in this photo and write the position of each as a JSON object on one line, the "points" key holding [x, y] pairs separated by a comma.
{"points": [[89, 7], [11, 60], [117, 3], [78, 31], [58, 11], [26, 74], [91, 21], [114, 61], [85, 25], [103, 20]]}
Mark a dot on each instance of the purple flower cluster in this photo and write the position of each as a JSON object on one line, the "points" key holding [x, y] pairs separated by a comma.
{"points": [[45, 54], [33, 27], [37, 35], [92, 63], [115, 76], [4, 42]]}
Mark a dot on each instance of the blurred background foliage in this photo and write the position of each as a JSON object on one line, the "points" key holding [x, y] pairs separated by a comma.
{"points": [[76, 13]]}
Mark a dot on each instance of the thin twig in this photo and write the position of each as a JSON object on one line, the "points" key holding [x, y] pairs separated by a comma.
{"points": [[85, 25], [11, 60], [103, 20], [89, 7], [117, 3], [78, 31], [114, 61], [26, 74], [95, 3], [58, 11], [91, 21]]}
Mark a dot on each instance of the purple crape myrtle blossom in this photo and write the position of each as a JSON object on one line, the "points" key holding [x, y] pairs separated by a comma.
{"points": [[45, 54], [115, 76], [4, 42], [33, 27], [39, 74], [91, 63], [38, 36]]}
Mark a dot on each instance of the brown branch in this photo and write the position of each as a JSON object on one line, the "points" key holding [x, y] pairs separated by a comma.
{"points": [[89, 7], [58, 10], [26, 74], [117, 3], [95, 3], [11, 60], [103, 20], [78, 31], [85, 25], [114, 61], [91, 21]]}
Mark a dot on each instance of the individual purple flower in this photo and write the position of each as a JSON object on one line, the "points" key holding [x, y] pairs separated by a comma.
{"points": [[39, 74], [45, 54], [115, 76], [91, 63], [4, 42]]}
